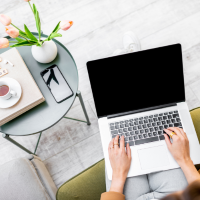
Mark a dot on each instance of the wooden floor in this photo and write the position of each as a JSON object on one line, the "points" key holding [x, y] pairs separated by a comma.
{"points": [[70, 147]]}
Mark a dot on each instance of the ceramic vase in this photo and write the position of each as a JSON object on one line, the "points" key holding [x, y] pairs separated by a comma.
{"points": [[46, 53]]}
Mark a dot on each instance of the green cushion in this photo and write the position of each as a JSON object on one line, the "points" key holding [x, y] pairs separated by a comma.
{"points": [[87, 185], [195, 114]]}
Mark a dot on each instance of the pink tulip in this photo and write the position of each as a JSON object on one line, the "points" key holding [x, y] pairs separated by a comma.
{"points": [[12, 32], [27, 0], [5, 20], [4, 43], [65, 24]]}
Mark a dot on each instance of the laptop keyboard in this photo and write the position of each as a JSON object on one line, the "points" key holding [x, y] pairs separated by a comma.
{"points": [[145, 129]]}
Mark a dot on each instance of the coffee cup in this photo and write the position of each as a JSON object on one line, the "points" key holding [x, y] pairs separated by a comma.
{"points": [[5, 91]]}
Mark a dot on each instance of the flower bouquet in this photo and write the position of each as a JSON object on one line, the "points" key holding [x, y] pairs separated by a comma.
{"points": [[26, 38]]}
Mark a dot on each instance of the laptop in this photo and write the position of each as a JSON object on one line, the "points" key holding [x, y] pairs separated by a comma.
{"points": [[138, 95]]}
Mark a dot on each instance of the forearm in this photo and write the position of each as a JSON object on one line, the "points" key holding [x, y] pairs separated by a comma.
{"points": [[117, 184], [190, 171]]}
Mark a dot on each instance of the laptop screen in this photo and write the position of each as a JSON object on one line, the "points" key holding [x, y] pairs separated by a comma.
{"points": [[137, 80]]}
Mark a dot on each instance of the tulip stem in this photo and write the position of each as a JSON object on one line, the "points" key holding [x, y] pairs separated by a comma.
{"points": [[30, 6], [18, 28], [13, 41]]}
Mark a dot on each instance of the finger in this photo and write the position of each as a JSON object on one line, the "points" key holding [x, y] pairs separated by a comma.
{"points": [[168, 142], [122, 142], [116, 141], [128, 150], [176, 130], [183, 133], [169, 132]]}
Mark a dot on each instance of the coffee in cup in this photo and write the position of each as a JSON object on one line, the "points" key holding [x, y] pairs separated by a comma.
{"points": [[5, 91]]}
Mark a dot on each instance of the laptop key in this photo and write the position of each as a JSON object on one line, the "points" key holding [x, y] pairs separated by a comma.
{"points": [[150, 120], [173, 120], [116, 123], [176, 124], [134, 128], [169, 117], [160, 118], [164, 117], [135, 119], [148, 125], [156, 128], [131, 124], [136, 123], [153, 124], [162, 137], [175, 115], [160, 132], [178, 119], [143, 141], [151, 129], [161, 114], [135, 137], [136, 132], [140, 136], [151, 116], [139, 127], [146, 117], [155, 133], [126, 139], [166, 126], [168, 121], [150, 134], [130, 120], [131, 143], [113, 136], [156, 115], [112, 124], [176, 111], [165, 113], [116, 126], [112, 128], [142, 131], [145, 121], [132, 133], [127, 125], [140, 118], [126, 121], [125, 129], [163, 122], [170, 125], [122, 126], [145, 135], [130, 138], [155, 119], [127, 134], [161, 127], [158, 123], [170, 112], [180, 124], [130, 128], [121, 122], [112, 132], [144, 126], [115, 131], [146, 130], [140, 122]]}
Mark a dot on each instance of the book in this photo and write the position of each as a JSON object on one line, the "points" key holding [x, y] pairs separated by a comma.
{"points": [[31, 94]]}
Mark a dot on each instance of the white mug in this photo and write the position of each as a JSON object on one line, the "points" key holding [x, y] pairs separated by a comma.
{"points": [[10, 92]]}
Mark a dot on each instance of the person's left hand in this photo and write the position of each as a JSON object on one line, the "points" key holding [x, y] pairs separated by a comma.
{"points": [[120, 160]]}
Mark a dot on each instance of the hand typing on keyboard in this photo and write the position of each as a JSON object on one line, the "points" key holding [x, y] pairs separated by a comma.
{"points": [[120, 160]]}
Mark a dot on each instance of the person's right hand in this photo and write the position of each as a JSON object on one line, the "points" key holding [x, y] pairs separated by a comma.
{"points": [[180, 147]]}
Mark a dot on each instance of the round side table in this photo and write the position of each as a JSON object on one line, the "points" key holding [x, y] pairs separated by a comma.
{"points": [[32, 121]]}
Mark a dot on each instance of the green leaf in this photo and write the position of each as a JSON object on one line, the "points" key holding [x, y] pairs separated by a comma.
{"points": [[38, 24], [20, 39], [34, 9], [53, 35], [29, 34], [21, 33], [25, 43], [56, 28]]}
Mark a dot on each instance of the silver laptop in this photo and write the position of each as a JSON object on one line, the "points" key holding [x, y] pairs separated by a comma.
{"points": [[138, 95]]}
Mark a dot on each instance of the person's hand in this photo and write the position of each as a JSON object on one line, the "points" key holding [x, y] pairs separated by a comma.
{"points": [[181, 152], [180, 147], [120, 160]]}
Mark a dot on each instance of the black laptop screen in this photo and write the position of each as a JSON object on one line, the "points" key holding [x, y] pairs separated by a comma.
{"points": [[137, 80]]}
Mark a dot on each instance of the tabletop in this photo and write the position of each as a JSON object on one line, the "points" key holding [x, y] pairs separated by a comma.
{"points": [[49, 112]]}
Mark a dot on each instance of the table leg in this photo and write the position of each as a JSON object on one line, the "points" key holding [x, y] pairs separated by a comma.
{"points": [[16, 143], [37, 143], [83, 106]]}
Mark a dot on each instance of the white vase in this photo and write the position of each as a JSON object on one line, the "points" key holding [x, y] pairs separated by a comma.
{"points": [[46, 53]]}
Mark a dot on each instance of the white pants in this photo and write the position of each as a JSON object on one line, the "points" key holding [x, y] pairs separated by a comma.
{"points": [[153, 186]]}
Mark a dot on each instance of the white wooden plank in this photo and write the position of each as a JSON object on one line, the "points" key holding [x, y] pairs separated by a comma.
{"points": [[195, 88], [74, 160]]}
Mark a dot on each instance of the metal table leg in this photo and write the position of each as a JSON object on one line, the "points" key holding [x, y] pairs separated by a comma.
{"points": [[19, 145], [78, 94]]}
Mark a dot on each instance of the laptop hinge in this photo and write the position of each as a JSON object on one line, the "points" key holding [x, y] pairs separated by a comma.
{"points": [[141, 110]]}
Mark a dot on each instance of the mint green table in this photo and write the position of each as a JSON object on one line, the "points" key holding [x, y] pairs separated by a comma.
{"points": [[49, 112]]}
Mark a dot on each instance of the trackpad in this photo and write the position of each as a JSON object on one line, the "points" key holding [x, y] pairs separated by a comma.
{"points": [[153, 157]]}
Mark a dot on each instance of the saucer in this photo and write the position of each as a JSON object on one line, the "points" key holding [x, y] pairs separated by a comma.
{"points": [[14, 85]]}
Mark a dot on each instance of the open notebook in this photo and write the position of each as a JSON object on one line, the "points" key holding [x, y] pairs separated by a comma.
{"points": [[31, 95]]}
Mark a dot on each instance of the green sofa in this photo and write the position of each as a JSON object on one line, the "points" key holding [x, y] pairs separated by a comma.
{"points": [[89, 184]]}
